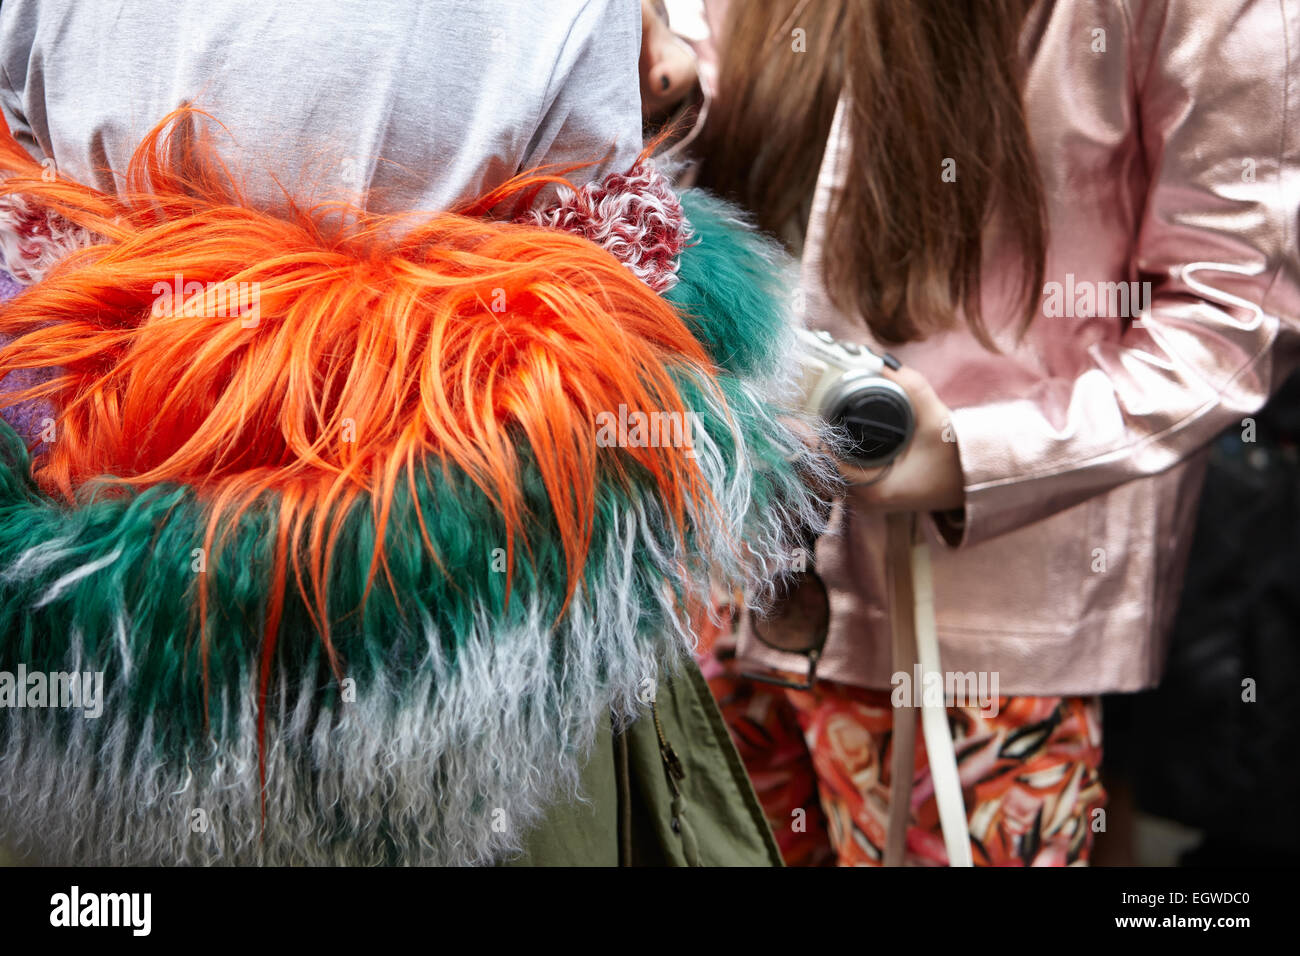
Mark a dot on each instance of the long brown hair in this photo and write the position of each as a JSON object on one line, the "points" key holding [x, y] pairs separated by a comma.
{"points": [[934, 86]]}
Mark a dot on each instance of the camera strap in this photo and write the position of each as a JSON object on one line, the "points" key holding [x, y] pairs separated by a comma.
{"points": [[915, 640]]}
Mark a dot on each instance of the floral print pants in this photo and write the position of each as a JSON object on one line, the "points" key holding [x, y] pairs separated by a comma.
{"points": [[820, 763]]}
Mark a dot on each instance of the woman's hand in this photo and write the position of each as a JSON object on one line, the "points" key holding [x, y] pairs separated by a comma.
{"points": [[927, 476]]}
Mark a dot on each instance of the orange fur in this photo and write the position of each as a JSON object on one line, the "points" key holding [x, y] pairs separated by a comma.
{"points": [[379, 329]]}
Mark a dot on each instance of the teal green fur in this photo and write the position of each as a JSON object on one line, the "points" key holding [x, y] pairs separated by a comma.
{"points": [[728, 290], [157, 531]]}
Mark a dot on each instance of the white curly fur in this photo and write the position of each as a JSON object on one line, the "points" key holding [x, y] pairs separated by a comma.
{"points": [[635, 216], [34, 239]]}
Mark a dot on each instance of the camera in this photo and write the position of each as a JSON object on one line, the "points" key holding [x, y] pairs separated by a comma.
{"points": [[841, 383]]}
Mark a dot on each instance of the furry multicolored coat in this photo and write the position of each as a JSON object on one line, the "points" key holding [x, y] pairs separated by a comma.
{"points": [[364, 523]]}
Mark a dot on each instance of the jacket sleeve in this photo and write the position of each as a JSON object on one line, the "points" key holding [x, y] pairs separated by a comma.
{"points": [[1218, 117]]}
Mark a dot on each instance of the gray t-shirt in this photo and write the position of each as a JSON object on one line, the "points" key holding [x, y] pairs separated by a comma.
{"points": [[420, 103]]}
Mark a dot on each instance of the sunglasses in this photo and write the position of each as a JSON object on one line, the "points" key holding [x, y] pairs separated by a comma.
{"points": [[797, 621]]}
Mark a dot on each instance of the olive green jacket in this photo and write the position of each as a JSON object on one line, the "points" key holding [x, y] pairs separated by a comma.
{"points": [[639, 812]]}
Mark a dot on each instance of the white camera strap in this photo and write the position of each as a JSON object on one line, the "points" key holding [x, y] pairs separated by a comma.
{"points": [[915, 640]]}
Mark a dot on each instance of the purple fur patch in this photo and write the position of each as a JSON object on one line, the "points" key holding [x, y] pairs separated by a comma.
{"points": [[26, 418]]}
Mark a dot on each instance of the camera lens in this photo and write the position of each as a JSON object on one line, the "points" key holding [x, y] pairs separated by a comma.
{"points": [[875, 417]]}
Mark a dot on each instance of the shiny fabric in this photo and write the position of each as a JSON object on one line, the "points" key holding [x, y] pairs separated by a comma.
{"points": [[1168, 135]]}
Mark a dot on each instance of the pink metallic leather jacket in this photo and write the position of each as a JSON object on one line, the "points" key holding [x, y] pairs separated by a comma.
{"points": [[1168, 134]]}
